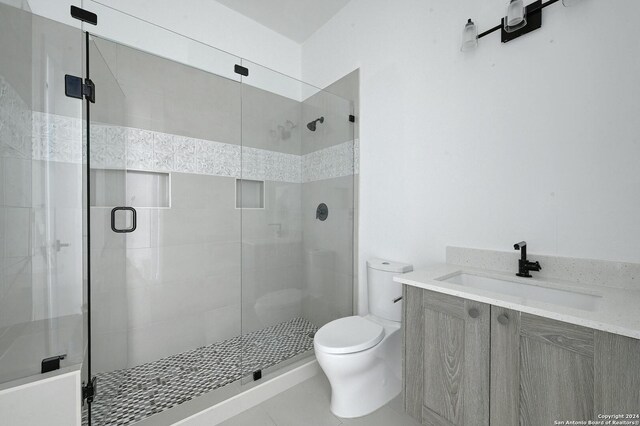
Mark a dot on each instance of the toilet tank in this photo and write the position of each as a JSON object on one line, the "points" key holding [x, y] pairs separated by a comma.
{"points": [[382, 289]]}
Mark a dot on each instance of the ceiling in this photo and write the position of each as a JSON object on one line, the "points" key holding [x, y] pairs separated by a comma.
{"points": [[294, 19]]}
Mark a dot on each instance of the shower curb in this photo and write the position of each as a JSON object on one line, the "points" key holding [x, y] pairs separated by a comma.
{"points": [[235, 405]]}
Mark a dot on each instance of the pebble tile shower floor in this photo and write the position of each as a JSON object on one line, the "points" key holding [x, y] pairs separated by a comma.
{"points": [[130, 395]]}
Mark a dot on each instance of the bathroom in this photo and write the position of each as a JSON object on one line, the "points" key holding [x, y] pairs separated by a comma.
{"points": [[211, 208]]}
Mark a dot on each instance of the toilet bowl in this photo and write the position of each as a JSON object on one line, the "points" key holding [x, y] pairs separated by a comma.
{"points": [[362, 355], [364, 370]]}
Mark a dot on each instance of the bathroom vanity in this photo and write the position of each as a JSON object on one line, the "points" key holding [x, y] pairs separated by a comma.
{"points": [[489, 348]]}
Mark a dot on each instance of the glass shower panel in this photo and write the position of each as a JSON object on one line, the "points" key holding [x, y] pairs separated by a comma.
{"points": [[329, 157], [143, 35], [165, 297], [40, 194], [297, 271], [107, 190]]}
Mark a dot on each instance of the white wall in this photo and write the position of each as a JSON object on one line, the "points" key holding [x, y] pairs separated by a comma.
{"points": [[204, 20], [537, 139]]}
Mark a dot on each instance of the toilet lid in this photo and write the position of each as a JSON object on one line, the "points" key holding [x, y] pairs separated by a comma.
{"points": [[348, 335]]}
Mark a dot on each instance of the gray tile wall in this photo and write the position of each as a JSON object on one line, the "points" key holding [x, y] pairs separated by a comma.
{"points": [[272, 280], [168, 97], [328, 250], [336, 128]]}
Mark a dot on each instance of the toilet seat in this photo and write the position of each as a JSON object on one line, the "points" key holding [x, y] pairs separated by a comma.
{"points": [[348, 335]]}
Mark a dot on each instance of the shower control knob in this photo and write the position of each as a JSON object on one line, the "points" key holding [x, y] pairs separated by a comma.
{"points": [[474, 313], [322, 212]]}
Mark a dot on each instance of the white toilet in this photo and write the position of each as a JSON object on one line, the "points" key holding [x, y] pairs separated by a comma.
{"points": [[362, 356]]}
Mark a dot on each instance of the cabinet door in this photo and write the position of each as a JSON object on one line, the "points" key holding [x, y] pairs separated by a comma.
{"points": [[542, 370], [455, 361], [617, 374]]}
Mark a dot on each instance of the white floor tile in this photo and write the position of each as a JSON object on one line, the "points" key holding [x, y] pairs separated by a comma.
{"points": [[307, 404], [385, 416], [256, 416], [304, 404]]}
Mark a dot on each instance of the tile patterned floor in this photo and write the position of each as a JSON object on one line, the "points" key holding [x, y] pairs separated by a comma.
{"points": [[129, 395]]}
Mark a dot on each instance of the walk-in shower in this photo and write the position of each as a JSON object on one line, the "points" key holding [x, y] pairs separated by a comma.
{"points": [[227, 274]]}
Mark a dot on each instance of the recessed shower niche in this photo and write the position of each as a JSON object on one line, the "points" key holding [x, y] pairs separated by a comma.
{"points": [[249, 194], [143, 189]]}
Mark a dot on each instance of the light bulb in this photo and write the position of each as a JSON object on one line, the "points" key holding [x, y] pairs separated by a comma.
{"points": [[516, 17], [469, 36]]}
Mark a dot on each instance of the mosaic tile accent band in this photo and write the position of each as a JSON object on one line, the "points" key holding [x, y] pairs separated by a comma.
{"points": [[130, 395], [114, 147], [335, 161]]}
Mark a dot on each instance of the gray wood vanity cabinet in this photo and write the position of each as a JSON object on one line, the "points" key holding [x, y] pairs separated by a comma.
{"points": [[469, 363]]}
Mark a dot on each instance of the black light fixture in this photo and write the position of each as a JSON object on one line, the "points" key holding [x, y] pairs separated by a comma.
{"points": [[519, 20]]}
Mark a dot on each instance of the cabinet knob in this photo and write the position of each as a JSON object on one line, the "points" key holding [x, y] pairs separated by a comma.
{"points": [[503, 319], [474, 313]]}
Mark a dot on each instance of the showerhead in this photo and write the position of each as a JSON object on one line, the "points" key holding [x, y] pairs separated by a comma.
{"points": [[312, 125]]}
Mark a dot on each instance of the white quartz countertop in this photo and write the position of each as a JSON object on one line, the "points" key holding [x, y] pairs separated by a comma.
{"points": [[615, 310]]}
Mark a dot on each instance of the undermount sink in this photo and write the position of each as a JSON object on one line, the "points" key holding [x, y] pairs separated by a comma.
{"points": [[553, 296]]}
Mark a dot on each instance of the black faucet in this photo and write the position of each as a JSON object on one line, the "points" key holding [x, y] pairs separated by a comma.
{"points": [[524, 266]]}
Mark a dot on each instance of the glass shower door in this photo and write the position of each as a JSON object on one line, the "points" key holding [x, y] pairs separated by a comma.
{"points": [[165, 302]]}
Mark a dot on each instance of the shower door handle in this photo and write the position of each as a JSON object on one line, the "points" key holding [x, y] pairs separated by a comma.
{"points": [[134, 217]]}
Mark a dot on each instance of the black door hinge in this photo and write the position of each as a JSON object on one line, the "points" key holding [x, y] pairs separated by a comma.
{"points": [[239, 69], [257, 375], [352, 118], [75, 88], [89, 90], [89, 390], [51, 363], [84, 15]]}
